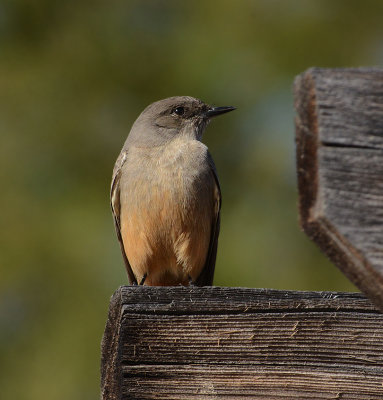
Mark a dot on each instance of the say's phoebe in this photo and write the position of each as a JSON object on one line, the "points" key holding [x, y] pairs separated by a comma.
{"points": [[165, 195]]}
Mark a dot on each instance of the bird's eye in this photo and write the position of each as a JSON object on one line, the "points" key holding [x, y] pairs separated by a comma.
{"points": [[179, 110]]}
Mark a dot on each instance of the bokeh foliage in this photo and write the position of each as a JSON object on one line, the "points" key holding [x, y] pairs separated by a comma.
{"points": [[73, 77]]}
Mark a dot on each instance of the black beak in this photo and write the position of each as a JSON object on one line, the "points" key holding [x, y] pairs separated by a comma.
{"points": [[214, 111]]}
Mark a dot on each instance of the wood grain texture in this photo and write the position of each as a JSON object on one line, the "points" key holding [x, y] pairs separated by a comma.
{"points": [[339, 136], [235, 343]]}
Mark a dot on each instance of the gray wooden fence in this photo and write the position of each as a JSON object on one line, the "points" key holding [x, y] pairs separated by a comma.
{"points": [[236, 343]]}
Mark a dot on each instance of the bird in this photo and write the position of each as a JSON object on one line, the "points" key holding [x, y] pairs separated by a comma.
{"points": [[166, 197]]}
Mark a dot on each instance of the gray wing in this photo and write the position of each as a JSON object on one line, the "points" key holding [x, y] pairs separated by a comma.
{"points": [[207, 274], [115, 204]]}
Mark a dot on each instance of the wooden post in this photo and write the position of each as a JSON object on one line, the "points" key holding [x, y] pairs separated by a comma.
{"points": [[339, 135], [235, 343]]}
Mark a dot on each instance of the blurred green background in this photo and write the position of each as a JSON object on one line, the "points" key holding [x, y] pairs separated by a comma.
{"points": [[73, 77]]}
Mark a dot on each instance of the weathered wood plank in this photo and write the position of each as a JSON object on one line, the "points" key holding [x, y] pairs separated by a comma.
{"points": [[349, 105], [339, 135], [217, 382], [226, 343]]}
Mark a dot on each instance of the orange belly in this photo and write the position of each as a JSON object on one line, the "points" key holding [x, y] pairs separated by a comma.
{"points": [[167, 236]]}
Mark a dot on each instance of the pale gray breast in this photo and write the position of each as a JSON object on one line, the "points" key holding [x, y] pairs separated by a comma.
{"points": [[180, 171]]}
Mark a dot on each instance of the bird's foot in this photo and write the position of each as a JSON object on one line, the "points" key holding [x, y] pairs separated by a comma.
{"points": [[191, 282], [143, 279]]}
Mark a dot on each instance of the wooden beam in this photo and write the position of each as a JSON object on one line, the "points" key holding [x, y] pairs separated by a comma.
{"points": [[230, 343], [339, 136]]}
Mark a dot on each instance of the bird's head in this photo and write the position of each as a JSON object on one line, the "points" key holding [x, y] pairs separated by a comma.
{"points": [[173, 117]]}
